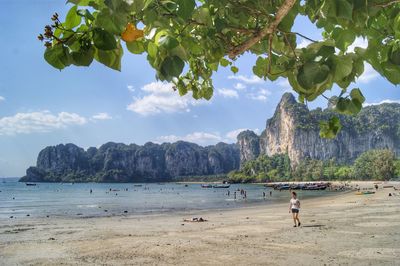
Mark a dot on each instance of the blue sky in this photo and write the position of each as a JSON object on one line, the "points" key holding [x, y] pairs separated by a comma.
{"points": [[40, 106]]}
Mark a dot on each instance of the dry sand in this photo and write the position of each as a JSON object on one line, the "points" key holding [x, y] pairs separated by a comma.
{"points": [[344, 229]]}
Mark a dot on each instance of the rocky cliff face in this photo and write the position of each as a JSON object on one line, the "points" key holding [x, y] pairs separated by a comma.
{"points": [[295, 130], [116, 162]]}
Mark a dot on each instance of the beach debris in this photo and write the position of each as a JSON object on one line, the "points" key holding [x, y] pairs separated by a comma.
{"points": [[195, 219], [28, 215], [11, 217], [52, 238], [125, 211], [390, 194]]}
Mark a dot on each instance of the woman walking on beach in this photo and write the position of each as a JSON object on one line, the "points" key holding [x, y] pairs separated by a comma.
{"points": [[294, 208]]}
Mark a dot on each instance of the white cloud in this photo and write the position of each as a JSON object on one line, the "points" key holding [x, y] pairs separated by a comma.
{"points": [[202, 138], [161, 98], [303, 43], [368, 75], [381, 102], [248, 80], [2, 99], [44, 121], [259, 95], [239, 86], [130, 88], [284, 83], [231, 136], [205, 138], [227, 93], [102, 116]]}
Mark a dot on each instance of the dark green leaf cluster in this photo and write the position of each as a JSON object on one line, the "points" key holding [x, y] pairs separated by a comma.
{"points": [[186, 41]]}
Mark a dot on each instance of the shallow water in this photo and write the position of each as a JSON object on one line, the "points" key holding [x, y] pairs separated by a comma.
{"points": [[57, 199]]}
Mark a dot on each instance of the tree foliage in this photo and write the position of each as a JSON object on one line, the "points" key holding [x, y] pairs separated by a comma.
{"points": [[186, 41], [375, 164], [370, 165]]}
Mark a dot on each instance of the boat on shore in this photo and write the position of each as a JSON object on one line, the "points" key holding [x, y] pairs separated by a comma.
{"points": [[315, 187], [282, 187], [302, 186], [206, 186], [365, 192], [30, 184], [221, 186]]}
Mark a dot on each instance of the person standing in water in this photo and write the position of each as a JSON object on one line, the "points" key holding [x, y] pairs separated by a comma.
{"points": [[294, 208]]}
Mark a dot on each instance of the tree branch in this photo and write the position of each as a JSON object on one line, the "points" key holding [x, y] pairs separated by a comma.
{"points": [[280, 14], [388, 3]]}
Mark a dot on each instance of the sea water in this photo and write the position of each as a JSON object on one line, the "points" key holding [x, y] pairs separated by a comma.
{"points": [[107, 199]]}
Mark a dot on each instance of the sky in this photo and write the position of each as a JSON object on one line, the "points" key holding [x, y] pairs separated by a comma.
{"points": [[41, 106]]}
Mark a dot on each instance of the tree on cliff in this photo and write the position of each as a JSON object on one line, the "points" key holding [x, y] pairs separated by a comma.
{"points": [[206, 34]]}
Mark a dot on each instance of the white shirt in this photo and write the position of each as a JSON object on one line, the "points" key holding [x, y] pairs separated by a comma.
{"points": [[294, 204]]}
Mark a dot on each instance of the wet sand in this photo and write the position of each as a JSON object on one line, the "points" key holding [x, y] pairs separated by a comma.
{"points": [[345, 229]]}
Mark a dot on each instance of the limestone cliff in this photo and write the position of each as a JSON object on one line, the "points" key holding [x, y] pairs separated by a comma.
{"points": [[294, 130], [117, 162]]}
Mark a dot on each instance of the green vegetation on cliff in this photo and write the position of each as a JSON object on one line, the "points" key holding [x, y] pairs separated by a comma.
{"points": [[370, 165]]}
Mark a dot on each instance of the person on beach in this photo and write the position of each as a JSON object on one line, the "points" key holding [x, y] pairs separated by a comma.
{"points": [[294, 208]]}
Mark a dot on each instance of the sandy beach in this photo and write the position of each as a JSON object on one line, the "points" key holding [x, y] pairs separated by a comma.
{"points": [[344, 229]]}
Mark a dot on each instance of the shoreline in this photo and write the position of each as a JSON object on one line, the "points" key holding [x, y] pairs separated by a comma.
{"points": [[339, 229]]}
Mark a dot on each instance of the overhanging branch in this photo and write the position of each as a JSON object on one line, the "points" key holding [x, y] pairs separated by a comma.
{"points": [[282, 12]]}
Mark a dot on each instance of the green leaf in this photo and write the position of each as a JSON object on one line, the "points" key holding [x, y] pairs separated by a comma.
{"points": [[73, 19], [110, 58], [329, 129], [312, 73], [86, 14], [172, 67], [167, 42], [185, 8], [348, 107], [261, 67], [83, 57], [343, 67], [207, 92], [391, 72], [343, 38], [112, 22], [344, 9], [135, 47], [234, 69], [80, 2], [57, 56], [394, 54], [356, 94], [202, 15], [103, 40], [224, 62], [152, 49]]}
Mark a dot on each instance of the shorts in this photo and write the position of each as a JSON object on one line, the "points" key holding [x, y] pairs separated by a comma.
{"points": [[295, 210]]}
